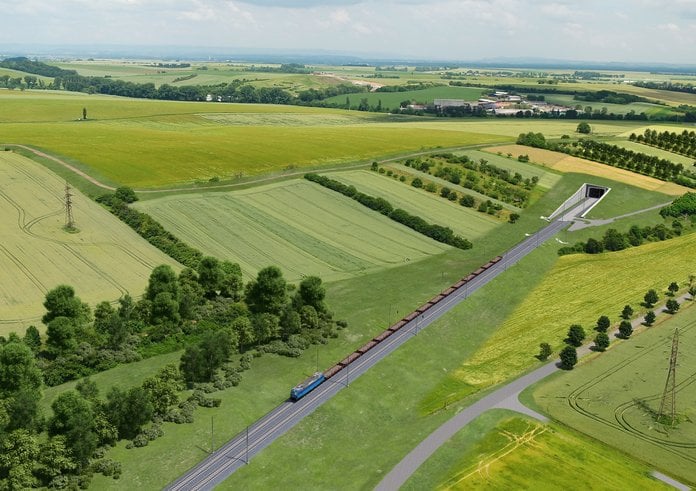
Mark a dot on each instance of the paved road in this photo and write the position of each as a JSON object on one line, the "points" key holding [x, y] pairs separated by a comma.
{"points": [[506, 397], [596, 222], [237, 452]]}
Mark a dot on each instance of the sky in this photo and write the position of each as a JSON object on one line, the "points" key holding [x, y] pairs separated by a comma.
{"points": [[584, 30]]}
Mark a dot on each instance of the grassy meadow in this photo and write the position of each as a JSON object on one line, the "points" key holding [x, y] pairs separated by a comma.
{"points": [[503, 450], [613, 397], [301, 227], [103, 261]]}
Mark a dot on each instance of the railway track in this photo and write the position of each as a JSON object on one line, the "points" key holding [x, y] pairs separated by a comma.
{"points": [[238, 451]]}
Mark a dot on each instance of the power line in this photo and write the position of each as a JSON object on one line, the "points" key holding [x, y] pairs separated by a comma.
{"points": [[69, 219], [668, 406]]}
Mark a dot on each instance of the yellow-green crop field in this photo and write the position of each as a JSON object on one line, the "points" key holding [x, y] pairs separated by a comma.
{"points": [[499, 451], [301, 227], [616, 396], [103, 261], [171, 146], [578, 290]]}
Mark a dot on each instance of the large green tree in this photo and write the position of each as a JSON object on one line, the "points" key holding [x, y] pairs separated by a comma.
{"points": [[162, 280], [73, 417], [20, 386], [268, 293], [128, 410], [62, 302], [311, 292]]}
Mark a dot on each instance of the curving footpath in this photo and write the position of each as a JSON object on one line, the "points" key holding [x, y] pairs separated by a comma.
{"points": [[506, 397]]}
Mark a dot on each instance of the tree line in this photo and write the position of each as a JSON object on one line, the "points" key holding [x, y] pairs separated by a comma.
{"points": [[615, 156], [434, 231], [444, 192], [683, 143], [613, 240], [208, 311]]}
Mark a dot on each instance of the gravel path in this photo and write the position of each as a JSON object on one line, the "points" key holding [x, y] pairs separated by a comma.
{"points": [[586, 222]]}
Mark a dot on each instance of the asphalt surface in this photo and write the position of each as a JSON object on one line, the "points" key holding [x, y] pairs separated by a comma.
{"points": [[237, 452]]}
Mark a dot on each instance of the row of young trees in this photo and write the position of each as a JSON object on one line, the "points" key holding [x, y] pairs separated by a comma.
{"points": [[479, 176], [434, 231], [615, 156], [466, 200], [683, 143], [576, 335]]}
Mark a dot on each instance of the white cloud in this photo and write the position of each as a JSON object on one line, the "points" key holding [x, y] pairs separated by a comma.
{"points": [[671, 27]]}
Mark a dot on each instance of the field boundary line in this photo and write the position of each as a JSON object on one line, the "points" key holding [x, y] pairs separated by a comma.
{"points": [[251, 182]]}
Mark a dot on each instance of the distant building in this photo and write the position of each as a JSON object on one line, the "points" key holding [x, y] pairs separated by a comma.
{"points": [[440, 103]]}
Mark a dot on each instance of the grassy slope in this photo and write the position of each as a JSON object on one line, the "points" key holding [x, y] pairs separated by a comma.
{"points": [[502, 450], [568, 295], [613, 386], [306, 230], [547, 178], [103, 261]]}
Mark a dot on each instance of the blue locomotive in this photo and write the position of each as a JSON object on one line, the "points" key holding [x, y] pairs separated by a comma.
{"points": [[307, 386]]}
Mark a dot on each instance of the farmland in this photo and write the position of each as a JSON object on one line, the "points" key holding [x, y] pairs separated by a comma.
{"points": [[569, 295], [129, 148], [636, 107], [305, 229], [103, 261], [657, 152], [612, 398], [392, 100], [501, 450], [565, 163], [547, 178], [466, 222]]}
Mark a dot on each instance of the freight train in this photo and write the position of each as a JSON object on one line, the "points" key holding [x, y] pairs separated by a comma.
{"points": [[311, 383]]}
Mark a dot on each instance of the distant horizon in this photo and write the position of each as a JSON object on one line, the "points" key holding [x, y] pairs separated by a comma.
{"points": [[594, 31], [318, 57]]}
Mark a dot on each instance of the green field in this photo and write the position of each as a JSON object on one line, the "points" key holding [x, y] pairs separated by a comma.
{"points": [[613, 397], [299, 226], [383, 296], [570, 294], [637, 107], [657, 152], [105, 260], [466, 222], [392, 100], [163, 144], [503, 450]]}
